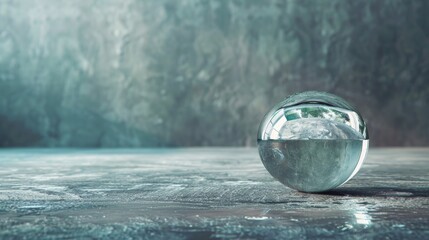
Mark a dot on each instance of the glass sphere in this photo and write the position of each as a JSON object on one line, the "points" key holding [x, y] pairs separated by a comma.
{"points": [[313, 141]]}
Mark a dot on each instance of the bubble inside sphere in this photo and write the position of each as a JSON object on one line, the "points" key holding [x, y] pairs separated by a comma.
{"points": [[313, 141]]}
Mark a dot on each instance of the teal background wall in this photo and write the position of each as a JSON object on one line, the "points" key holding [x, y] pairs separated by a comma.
{"points": [[149, 73]]}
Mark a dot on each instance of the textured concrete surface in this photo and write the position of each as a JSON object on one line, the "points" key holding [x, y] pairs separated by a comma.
{"points": [[204, 193], [132, 73]]}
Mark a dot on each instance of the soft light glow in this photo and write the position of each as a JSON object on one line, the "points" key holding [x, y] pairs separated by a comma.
{"points": [[362, 217]]}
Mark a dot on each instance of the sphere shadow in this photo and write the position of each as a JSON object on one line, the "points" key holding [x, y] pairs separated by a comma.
{"points": [[378, 192]]}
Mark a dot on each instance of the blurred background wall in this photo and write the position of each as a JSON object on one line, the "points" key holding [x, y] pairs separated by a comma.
{"points": [[131, 73]]}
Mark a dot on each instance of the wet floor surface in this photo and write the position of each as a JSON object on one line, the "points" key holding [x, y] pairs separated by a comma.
{"points": [[200, 193]]}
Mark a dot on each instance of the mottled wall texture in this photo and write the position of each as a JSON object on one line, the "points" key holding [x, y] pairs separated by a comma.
{"points": [[149, 73]]}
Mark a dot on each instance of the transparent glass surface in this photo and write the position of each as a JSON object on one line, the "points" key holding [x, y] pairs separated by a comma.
{"points": [[313, 141]]}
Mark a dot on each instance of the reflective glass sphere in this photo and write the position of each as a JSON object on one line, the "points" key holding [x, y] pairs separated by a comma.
{"points": [[313, 141]]}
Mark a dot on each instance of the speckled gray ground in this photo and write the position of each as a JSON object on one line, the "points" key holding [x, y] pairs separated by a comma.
{"points": [[204, 193]]}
